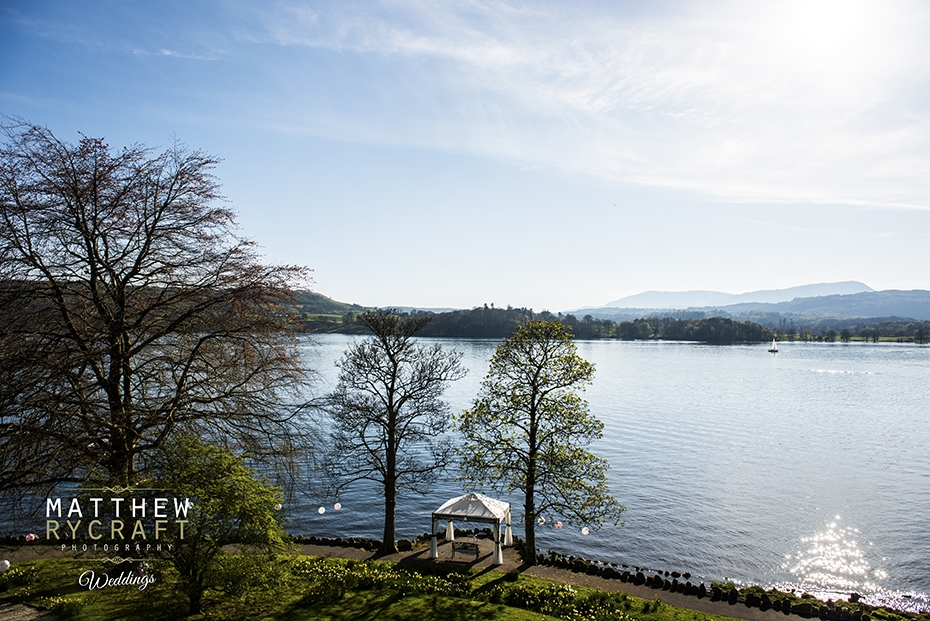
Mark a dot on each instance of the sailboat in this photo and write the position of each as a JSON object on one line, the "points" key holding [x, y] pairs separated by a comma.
{"points": [[774, 348]]}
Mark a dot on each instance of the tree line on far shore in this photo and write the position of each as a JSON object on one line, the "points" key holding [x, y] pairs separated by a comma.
{"points": [[497, 323], [865, 330]]}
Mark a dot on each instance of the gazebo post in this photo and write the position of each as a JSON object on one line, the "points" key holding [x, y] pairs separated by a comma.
{"points": [[498, 553], [450, 532], [508, 536], [433, 547]]}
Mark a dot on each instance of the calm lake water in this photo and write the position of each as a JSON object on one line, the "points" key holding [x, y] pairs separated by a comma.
{"points": [[809, 469]]}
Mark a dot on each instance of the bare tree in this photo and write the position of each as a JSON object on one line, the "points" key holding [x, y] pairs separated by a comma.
{"points": [[133, 312], [388, 418]]}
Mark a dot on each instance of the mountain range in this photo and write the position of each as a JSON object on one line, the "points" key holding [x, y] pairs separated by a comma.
{"points": [[702, 299], [842, 300]]}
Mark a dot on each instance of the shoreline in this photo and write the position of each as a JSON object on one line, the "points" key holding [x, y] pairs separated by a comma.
{"points": [[749, 603], [512, 561], [898, 601]]}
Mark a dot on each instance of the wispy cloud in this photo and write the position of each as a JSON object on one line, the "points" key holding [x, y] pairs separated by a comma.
{"points": [[816, 231], [174, 54], [815, 102]]}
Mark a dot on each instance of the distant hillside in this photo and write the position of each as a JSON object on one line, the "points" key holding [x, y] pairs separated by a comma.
{"points": [[318, 304], [323, 314], [319, 313], [913, 304], [703, 299], [667, 299], [813, 310], [629, 314], [425, 309]]}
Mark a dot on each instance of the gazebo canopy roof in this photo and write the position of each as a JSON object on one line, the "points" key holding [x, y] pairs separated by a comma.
{"points": [[474, 508]]}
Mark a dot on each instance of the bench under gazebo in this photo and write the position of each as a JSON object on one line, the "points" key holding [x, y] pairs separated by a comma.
{"points": [[474, 507]]}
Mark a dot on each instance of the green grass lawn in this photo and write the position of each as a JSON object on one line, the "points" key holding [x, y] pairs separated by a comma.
{"points": [[377, 605], [298, 588]]}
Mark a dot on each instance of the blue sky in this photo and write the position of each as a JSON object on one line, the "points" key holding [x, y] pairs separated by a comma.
{"points": [[543, 154]]}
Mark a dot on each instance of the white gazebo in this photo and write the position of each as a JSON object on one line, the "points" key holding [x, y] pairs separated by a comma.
{"points": [[474, 508]]}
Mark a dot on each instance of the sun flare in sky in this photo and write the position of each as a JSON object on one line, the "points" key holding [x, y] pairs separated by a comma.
{"points": [[535, 154]]}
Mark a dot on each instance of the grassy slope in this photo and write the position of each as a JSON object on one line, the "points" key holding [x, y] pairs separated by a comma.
{"points": [[284, 597]]}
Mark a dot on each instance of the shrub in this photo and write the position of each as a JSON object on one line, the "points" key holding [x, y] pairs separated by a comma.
{"points": [[63, 607], [248, 575], [324, 593], [18, 577], [555, 600], [374, 575]]}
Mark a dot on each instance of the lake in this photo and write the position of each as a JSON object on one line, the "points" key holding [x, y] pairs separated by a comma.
{"points": [[809, 469]]}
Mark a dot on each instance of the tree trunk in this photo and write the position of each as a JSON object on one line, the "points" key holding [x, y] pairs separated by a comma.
{"points": [[529, 507], [390, 510], [196, 602], [195, 589], [390, 478], [120, 464], [118, 388]]}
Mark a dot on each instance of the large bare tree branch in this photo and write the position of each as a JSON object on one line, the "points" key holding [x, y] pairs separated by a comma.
{"points": [[134, 312]]}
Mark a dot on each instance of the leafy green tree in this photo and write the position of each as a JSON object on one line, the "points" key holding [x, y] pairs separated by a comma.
{"points": [[387, 416], [871, 333], [230, 504], [529, 427]]}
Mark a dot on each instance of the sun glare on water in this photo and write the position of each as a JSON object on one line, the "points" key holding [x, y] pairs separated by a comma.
{"points": [[833, 561]]}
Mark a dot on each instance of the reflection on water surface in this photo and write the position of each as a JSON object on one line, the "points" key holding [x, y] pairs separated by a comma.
{"points": [[835, 563]]}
